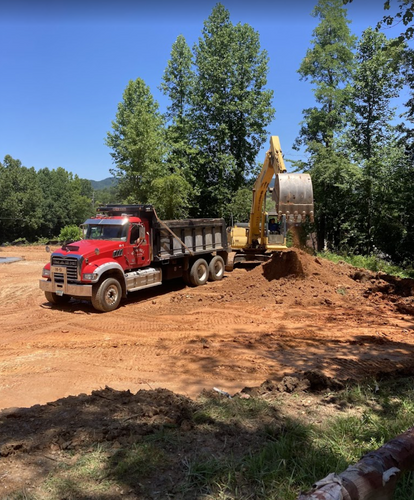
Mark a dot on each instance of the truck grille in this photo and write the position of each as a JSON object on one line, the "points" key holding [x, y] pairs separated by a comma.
{"points": [[71, 264]]}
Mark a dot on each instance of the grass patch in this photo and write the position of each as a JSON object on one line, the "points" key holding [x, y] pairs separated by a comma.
{"points": [[235, 410], [242, 448], [132, 464], [85, 477], [370, 262]]}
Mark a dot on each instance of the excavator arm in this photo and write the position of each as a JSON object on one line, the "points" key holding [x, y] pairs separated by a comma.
{"points": [[272, 166]]}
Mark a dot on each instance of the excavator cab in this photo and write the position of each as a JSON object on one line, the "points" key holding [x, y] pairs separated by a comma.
{"points": [[276, 229]]}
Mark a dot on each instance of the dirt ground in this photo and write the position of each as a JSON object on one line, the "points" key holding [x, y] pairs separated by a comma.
{"points": [[294, 314]]}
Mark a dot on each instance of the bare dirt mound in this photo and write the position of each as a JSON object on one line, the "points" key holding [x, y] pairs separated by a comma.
{"points": [[294, 277], [108, 415], [80, 421], [392, 290]]}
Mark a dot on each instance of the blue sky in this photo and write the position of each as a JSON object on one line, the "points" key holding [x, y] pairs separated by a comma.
{"points": [[65, 64]]}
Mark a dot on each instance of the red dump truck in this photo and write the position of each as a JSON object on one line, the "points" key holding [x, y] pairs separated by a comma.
{"points": [[126, 248]]}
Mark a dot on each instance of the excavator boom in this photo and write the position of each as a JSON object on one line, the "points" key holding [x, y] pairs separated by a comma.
{"points": [[272, 165]]}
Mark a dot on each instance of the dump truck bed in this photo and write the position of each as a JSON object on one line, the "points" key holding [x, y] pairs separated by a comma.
{"points": [[188, 237]]}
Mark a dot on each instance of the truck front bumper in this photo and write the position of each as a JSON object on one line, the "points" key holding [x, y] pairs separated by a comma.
{"points": [[66, 288]]}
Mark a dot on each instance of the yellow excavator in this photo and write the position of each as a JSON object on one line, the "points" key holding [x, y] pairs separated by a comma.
{"points": [[266, 231]]}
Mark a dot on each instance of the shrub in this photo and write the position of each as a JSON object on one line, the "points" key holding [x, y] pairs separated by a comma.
{"points": [[73, 233]]}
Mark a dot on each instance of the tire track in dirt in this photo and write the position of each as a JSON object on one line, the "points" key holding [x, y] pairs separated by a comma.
{"points": [[229, 334]]}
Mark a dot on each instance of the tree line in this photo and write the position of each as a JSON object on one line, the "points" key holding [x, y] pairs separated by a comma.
{"points": [[359, 151], [198, 159]]}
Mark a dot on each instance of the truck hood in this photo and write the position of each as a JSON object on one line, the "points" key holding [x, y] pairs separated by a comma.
{"points": [[88, 248]]}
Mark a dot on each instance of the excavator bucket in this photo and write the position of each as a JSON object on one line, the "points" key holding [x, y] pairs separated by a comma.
{"points": [[293, 195]]}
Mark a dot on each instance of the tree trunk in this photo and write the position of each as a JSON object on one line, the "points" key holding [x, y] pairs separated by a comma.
{"points": [[374, 477]]}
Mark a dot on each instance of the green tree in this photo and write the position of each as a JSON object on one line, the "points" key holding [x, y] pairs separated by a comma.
{"points": [[336, 187], [231, 108], [107, 195], [178, 81], [240, 205], [137, 142], [400, 222], [402, 179], [169, 195], [70, 233], [372, 135], [20, 201], [329, 65], [404, 15], [177, 85], [63, 201]]}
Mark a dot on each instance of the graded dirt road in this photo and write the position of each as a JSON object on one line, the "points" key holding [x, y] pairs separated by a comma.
{"points": [[292, 314]]}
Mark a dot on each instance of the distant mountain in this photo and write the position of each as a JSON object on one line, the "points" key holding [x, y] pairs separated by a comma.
{"points": [[105, 183]]}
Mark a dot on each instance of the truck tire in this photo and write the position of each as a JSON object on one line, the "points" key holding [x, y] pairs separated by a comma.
{"points": [[186, 277], [199, 272], [53, 298], [107, 296], [216, 268]]}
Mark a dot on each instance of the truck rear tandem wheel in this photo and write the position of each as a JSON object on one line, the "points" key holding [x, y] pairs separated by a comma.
{"points": [[216, 268], [199, 272]]}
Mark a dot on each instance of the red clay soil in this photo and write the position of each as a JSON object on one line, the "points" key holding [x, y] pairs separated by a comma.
{"points": [[294, 313], [71, 377]]}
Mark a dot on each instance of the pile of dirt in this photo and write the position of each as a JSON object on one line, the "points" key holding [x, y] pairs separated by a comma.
{"points": [[106, 415], [294, 277], [48, 439], [121, 417], [398, 292]]}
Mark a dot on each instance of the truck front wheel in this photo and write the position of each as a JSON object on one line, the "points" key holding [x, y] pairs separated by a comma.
{"points": [[216, 268], [199, 272], [53, 298], [107, 296]]}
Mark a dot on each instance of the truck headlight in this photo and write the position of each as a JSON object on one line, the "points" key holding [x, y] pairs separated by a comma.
{"points": [[90, 276], [46, 273]]}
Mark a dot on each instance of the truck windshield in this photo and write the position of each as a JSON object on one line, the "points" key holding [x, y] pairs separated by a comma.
{"points": [[106, 232]]}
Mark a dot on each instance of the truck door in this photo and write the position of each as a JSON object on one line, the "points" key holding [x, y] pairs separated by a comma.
{"points": [[139, 241]]}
